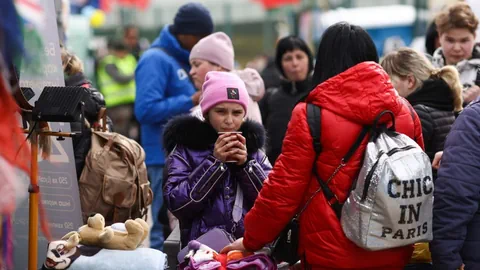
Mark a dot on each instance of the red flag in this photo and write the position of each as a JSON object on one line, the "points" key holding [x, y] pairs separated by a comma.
{"points": [[141, 4], [106, 5], [270, 4]]}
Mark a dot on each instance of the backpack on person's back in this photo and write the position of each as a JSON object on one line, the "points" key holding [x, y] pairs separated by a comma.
{"points": [[391, 201]]}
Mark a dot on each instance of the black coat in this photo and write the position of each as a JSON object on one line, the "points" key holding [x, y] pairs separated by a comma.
{"points": [[276, 107], [434, 104], [270, 75]]}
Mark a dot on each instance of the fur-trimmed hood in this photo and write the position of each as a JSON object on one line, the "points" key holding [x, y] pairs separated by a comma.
{"points": [[193, 133]]}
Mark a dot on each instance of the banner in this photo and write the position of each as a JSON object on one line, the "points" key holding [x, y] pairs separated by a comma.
{"points": [[57, 179]]}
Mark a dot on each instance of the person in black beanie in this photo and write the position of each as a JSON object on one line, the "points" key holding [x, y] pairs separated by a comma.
{"points": [[191, 23], [294, 61], [164, 90]]}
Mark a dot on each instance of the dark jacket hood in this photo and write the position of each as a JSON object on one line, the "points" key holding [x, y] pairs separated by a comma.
{"points": [[193, 133], [78, 79], [434, 93]]}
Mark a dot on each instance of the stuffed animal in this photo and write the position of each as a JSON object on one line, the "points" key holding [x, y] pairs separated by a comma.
{"points": [[67, 254], [120, 236], [201, 256]]}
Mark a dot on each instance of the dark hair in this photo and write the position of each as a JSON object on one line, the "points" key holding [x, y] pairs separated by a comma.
{"points": [[288, 44], [117, 45], [430, 37], [127, 28], [342, 46]]}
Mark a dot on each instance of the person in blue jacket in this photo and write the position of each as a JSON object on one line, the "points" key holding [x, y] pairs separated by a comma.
{"points": [[164, 90], [456, 213]]}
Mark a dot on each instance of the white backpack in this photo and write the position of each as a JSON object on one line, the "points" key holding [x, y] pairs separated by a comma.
{"points": [[391, 201]]}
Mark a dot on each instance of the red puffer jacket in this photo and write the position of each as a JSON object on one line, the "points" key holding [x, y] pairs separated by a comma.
{"points": [[348, 101]]}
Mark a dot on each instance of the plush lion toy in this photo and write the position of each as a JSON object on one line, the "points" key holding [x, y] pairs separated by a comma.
{"points": [[120, 236]]}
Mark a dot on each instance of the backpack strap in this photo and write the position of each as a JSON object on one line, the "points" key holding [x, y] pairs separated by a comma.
{"points": [[314, 119], [412, 113], [314, 122]]}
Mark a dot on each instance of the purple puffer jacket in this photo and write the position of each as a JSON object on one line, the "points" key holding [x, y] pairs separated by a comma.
{"points": [[200, 190]]}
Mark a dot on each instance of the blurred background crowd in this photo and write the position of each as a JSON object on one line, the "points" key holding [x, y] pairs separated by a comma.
{"points": [[253, 25]]}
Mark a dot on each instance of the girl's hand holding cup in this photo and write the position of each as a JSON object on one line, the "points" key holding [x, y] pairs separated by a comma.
{"points": [[231, 147], [240, 152]]}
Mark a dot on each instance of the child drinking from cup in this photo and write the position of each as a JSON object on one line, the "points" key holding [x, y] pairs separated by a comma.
{"points": [[215, 167]]}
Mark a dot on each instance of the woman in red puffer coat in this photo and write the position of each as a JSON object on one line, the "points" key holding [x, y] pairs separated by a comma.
{"points": [[352, 89]]}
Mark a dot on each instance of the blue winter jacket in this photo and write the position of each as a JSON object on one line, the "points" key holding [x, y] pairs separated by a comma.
{"points": [[163, 91], [456, 214]]}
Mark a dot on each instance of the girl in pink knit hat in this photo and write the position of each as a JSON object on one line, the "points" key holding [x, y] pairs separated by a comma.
{"points": [[215, 53], [215, 167]]}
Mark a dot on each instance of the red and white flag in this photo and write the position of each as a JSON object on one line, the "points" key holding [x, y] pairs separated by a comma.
{"points": [[271, 4]]}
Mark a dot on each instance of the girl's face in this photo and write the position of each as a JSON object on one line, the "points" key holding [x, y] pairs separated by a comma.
{"points": [[457, 45], [226, 117], [295, 65], [199, 69]]}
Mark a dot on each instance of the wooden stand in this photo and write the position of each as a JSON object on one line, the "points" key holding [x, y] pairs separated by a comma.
{"points": [[34, 189], [33, 209]]}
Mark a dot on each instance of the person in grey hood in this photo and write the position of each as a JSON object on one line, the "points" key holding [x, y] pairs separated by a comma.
{"points": [[456, 26], [294, 61]]}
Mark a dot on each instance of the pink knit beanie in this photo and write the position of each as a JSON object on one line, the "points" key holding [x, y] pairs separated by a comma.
{"points": [[216, 48], [223, 87]]}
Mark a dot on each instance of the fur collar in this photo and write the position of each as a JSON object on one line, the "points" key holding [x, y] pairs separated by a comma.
{"points": [[191, 132], [435, 93]]}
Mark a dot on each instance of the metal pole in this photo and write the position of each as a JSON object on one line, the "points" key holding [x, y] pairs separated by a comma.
{"points": [[266, 31], [34, 189], [227, 10], [33, 208], [53, 133]]}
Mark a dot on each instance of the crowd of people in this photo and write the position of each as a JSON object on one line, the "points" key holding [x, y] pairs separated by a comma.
{"points": [[224, 151]]}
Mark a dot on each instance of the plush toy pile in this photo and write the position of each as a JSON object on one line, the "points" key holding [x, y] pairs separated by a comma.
{"points": [[202, 257]]}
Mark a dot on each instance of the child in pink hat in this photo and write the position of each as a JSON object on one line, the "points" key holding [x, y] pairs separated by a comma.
{"points": [[222, 87], [216, 166], [215, 53]]}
